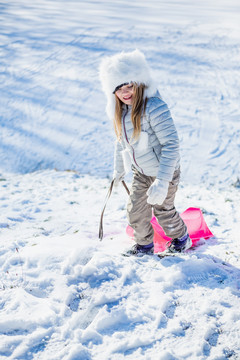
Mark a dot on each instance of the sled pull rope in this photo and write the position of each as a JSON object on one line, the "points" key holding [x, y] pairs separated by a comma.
{"points": [[105, 204], [125, 185]]}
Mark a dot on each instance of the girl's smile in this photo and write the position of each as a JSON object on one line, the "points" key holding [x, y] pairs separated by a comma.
{"points": [[126, 94]]}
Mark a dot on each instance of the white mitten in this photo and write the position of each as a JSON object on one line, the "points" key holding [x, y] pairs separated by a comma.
{"points": [[118, 177], [157, 192]]}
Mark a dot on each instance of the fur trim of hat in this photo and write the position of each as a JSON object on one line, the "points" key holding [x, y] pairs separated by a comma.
{"points": [[124, 67]]}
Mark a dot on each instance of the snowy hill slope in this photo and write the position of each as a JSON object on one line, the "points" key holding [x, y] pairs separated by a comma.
{"points": [[64, 294], [52, 106]]}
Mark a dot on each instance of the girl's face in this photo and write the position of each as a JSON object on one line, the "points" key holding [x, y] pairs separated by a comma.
{"points": [[126, 94]]}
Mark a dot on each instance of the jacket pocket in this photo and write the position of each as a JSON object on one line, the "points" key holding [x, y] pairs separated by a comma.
{"points": [[155, 154], [142, 144]]}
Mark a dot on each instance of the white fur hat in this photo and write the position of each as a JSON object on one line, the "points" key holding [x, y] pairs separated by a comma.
{"points": [[121, 68]]}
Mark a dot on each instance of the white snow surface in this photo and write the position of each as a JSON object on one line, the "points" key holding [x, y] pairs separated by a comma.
{"points": [[63, 293]]}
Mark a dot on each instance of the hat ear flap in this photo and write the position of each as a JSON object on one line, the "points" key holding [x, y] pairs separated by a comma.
{"points": [[110, 108]]}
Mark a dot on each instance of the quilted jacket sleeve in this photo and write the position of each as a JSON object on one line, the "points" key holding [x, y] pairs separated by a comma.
{"points": [[163, 126], [118, 159]]}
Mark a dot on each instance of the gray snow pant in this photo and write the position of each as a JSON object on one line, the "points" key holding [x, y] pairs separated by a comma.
{"points": [[139, 212]]}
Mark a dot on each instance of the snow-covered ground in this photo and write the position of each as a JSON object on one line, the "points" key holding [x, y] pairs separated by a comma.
{"points": [[63, 294]]}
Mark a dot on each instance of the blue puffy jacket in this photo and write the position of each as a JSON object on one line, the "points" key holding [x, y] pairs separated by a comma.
{"points": [[156, 151]]}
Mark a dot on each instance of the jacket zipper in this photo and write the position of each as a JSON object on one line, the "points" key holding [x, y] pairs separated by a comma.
{"points": [[125, 132]]}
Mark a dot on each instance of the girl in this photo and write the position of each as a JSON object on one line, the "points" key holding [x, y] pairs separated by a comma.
{"points": [[147, 140]]}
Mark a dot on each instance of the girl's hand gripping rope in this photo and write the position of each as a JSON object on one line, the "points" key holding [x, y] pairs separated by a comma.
{"points": [[118, 177]]}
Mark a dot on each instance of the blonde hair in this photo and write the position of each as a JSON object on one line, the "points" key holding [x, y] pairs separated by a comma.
{"points": [[138, 107]]}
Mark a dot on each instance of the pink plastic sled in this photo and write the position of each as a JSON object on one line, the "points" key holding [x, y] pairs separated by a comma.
{"points": [[193, 218]]}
